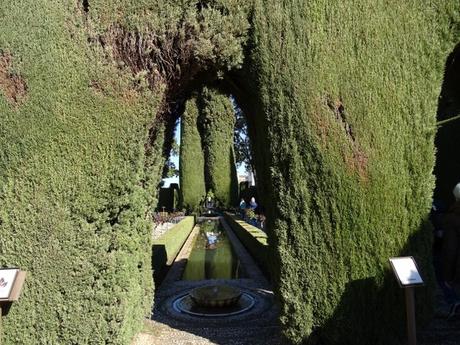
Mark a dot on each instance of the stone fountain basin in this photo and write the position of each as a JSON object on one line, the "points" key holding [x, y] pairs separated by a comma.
{"points": [[215, 296]]}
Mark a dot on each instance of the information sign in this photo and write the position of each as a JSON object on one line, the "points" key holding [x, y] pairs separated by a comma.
{"points": [[7, 279], [405, 270]]}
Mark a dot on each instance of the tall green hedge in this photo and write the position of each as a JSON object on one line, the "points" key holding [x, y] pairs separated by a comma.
{"points": [[191, 158], [72, 209], [86, 88], [342, 102], [217, 122]]}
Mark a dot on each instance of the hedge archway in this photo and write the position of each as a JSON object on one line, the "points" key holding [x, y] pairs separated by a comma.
{"points": [[342, 101]]}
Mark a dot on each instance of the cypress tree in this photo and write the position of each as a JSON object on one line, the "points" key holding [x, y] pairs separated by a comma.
{"points": [[217, 121], [191, 159]]}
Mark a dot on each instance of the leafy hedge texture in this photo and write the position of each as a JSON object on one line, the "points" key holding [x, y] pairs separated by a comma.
{"points": [[341, 103], [191, 159], [86, 92], [345, 101], [217, 121]]}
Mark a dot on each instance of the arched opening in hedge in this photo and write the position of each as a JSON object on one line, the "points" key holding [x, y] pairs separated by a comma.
{"points": [[214, 141], [194, 169], [343, 161]]}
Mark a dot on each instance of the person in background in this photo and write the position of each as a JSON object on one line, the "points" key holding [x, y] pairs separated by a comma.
{"points": [[242, 207], [253, 204], [450, 273]]}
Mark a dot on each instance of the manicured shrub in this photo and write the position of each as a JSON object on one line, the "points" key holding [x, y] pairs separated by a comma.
{"points": [[254, 239], [86, 93], [217, 121], [341, 103], [191, 159], [166, 248]]}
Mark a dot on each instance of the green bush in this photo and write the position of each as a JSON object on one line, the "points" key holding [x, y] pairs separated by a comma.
{"points": [[166, 248], [341, 102], [191, 159], [217, 122], [84, 102], [254, 239]]}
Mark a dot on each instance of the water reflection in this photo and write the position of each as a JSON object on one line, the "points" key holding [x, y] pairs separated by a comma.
{"points": [[212, 256]]}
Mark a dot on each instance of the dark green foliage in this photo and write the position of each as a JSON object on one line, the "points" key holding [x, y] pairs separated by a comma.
{"points": [[254, 239], [342, 101], [342, 97], [191, 159], [166, 248], [72, 206], [217, 121], [83, 108], [168, 199]]}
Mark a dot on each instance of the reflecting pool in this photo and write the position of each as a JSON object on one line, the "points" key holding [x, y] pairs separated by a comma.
{"points": [[212, 255]]}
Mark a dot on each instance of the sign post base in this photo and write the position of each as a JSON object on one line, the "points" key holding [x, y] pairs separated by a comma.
{"points": [[410, 312]]}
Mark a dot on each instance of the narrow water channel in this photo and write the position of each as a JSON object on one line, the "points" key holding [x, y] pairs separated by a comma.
{"points": [[212, 255]]}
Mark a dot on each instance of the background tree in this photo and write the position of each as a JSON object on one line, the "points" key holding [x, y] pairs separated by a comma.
{"points": [[191, 159], [243, 150], [217, 122], [170, 169]]}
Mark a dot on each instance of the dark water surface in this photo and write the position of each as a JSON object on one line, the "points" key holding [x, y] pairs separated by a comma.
{"points": [[211, 261]]}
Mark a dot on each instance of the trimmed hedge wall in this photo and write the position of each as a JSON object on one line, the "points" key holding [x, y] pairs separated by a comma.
{"points": [[254, 239], [191, 159], [341, 98], [86, 91], [166, 248], [217, 122], [168, 199], [73, 207], [342, 101]]}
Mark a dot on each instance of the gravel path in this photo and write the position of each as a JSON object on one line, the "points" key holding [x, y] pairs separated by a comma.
{"points": [[260, 327], [257, 326]]}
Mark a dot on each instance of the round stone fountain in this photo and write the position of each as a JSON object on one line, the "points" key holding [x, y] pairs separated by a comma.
{"points": [[214, 300], [215, 296]]}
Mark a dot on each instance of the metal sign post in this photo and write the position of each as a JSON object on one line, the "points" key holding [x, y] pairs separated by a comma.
{"points": [[407, 275]]}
